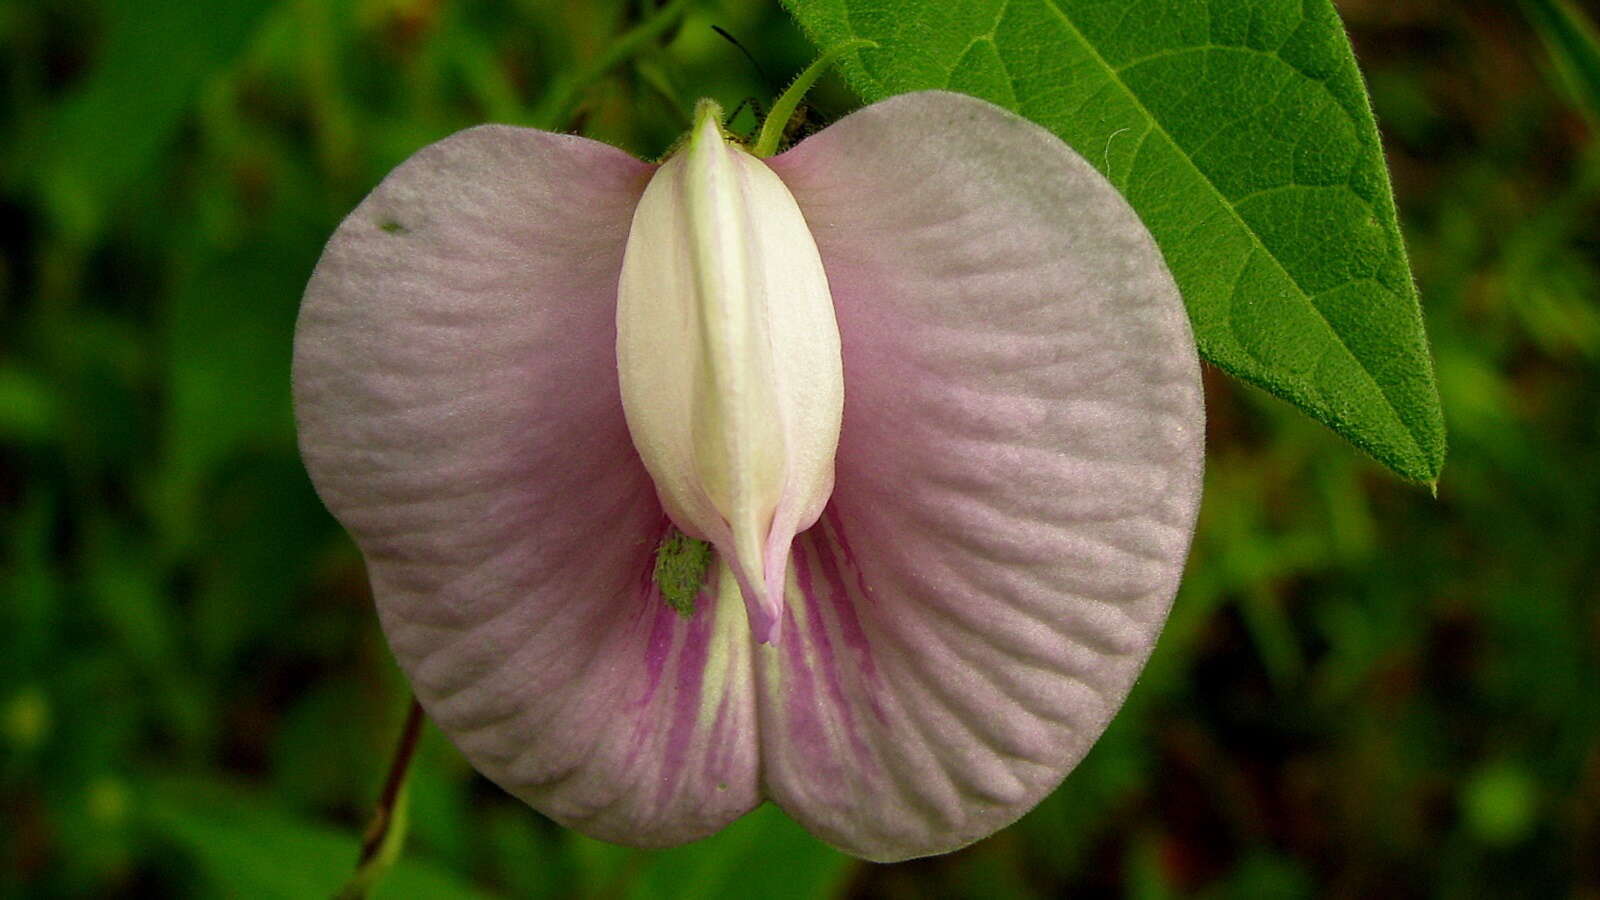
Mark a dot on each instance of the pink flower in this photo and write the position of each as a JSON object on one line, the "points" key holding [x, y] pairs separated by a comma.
{"points": [[905, 640]]}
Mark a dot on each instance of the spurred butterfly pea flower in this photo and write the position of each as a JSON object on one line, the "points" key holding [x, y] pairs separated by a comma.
{"points": [[859, 479]]}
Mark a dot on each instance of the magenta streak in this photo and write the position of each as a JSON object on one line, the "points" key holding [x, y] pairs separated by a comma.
{"points": [[827, 659], [719, 758], [686, 695], [855, 637], [659, 646], [804, 731], [836, 525], [657, 651]]}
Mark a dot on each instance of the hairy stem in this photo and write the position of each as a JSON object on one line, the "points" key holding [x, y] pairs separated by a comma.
{"points": [[785, 105]]}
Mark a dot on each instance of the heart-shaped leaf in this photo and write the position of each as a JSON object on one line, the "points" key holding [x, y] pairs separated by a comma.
{"points": [[1242, 134]]}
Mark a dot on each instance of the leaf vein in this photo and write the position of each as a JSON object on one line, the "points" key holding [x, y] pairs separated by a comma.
{"points": [[1255, 238]]}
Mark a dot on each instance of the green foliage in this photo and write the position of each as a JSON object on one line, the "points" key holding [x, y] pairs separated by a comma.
{"points": [[1242, 134], [1574, 44], [111, 128], [791, 865], [1499, 805], [241, 848]]}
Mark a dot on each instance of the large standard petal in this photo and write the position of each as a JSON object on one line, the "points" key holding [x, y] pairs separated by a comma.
{"points": [[1017, 478], [456, 391]]}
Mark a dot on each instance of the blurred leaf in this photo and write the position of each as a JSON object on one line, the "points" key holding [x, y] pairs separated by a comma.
{"points": [[107, 134], [260, 527], [528, 855], [32, 585], [316, 747], [1574, 44], [93, 820], [1499, 805], [1264, 877], [229, 328], [25, 718], [101, 375], [442, 811], [128, 601], [555, 110], [243, 847], [1243, 136], [1148, 877], [762, 856], [29, 406]]}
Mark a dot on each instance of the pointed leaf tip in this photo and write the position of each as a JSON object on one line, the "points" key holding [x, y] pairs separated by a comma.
{"points": [[1229, 129]]}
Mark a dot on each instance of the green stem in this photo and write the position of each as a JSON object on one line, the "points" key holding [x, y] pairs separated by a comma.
{"points": [[380, 845], [785, 105], [555, 111]]}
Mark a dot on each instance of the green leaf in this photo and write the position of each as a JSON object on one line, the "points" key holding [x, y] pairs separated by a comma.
{"points": [[227, 330], [242, 846], [762, 856], [1241, 132], [1574, 44], [30, 406], [128, 110]]}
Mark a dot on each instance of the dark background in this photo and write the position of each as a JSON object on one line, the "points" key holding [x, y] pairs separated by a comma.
{"points": [[1363, 690]]}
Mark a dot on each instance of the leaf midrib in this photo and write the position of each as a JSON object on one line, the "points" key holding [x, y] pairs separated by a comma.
{"points": [[1115, 75], [1232, 210]]}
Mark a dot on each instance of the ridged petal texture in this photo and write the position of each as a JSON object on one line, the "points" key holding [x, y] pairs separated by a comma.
{"points": [[456, 390], [1016, 483]]}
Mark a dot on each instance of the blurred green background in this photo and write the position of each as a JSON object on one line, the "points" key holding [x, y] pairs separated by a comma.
{"points": [[1363, 690]]}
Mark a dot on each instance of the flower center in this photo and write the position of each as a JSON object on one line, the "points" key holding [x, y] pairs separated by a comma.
{"points": [[728, 359]]}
